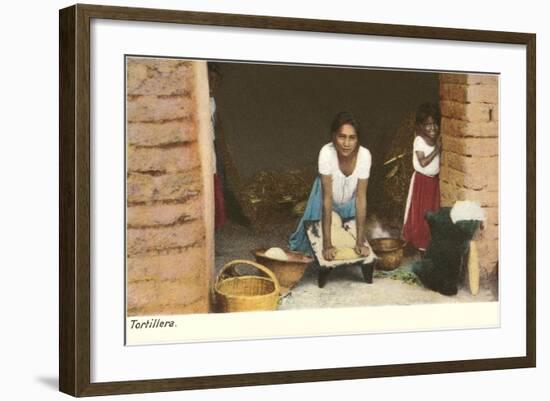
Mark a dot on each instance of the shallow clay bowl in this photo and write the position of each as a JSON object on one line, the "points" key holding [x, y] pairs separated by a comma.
{"points": [[288, 272]]}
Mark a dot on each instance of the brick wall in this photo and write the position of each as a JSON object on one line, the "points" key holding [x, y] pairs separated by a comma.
{"points": [[469, 164], [169, 256]]}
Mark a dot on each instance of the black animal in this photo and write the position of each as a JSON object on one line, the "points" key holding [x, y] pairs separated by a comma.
{"points": [[441, 269]]}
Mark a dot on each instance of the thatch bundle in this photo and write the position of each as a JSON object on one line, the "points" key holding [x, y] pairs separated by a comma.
{"points": [[270, 193], [398, 168]]}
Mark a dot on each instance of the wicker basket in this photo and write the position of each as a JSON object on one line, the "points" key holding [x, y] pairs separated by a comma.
{"points": [[389, 252], [246, 293], [288, 272]]}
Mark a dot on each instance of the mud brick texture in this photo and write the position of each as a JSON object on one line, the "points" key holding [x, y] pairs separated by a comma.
{"points": [[469, 163], [165, 232]]}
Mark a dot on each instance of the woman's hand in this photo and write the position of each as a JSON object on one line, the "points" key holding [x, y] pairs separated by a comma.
{"points": [[362, 250], [329, 253]]}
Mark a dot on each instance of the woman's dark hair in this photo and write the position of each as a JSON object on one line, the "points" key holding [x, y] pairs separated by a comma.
{"points": [[342, 118], [428, 110]]}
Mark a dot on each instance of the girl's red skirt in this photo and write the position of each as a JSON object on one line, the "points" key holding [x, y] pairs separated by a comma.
{"points": [[423, 197]]}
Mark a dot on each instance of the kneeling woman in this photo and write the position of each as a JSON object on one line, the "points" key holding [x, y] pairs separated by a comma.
{"points": [[344, 168]]}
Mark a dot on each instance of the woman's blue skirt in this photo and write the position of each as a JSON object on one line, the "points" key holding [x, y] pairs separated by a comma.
{"points": [[298, 240]]}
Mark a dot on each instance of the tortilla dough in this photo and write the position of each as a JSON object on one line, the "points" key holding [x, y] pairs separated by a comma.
{"points": [[276, 253], [339, 236], [345, 254]]}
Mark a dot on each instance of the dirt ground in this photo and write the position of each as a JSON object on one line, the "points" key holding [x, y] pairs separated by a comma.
{"points": [[345, 286]]}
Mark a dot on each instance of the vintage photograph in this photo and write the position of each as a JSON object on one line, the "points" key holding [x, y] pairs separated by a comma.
{"points": [[275, 187]]}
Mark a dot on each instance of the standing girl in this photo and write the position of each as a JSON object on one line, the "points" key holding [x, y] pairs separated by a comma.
{"points": [[344, 168], [424, 188]]}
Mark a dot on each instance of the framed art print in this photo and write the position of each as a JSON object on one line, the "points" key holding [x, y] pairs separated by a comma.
{"points": [[277, 192]]}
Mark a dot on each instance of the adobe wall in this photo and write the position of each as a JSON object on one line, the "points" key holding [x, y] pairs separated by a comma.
{"points": [[168, 257], [469, 164]]}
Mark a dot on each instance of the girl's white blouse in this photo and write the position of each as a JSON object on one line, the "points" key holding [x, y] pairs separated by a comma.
{"points": [[431, 169]]}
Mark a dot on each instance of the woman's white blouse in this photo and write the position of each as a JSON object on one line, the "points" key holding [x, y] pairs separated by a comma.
{"points": [[432, 169], [343, 187]]}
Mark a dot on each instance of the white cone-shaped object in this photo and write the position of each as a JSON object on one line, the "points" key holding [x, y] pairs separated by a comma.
{"points": [[473, 269]]}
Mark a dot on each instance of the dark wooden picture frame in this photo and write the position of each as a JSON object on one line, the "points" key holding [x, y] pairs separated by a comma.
{"points": [[74, 199]]}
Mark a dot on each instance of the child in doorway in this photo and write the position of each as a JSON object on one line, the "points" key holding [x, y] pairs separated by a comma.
{"points": [[424, 188], [214, 79]]}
